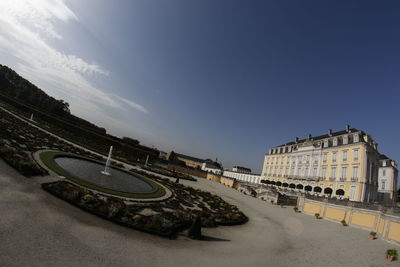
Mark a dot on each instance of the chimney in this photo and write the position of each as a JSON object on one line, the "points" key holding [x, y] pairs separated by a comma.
{"points": [[296, 139], [347, 128], [330, 132]]}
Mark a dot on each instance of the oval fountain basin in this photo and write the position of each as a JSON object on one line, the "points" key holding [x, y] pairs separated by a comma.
{"points": [[90, 172]]}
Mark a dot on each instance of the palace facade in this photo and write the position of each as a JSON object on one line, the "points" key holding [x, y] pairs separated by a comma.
{"points": [[343, 164]]}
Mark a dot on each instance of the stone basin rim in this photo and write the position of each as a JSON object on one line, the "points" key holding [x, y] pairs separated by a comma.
{"points": [[160, 193]]}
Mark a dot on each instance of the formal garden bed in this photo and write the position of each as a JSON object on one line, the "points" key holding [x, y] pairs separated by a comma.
{"points": [[91, 140], [18, 141], [169, 173], [165, 218]]}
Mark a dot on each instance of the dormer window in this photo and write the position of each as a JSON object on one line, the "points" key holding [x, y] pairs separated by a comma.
{"points": [[326, 143], [356, 138], [345, 140], [335, 141]]}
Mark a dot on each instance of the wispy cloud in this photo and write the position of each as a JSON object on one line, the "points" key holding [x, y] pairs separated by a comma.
{"points": [[26, 26], [132, 104]]}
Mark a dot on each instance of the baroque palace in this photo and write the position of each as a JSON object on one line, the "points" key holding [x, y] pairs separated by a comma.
{"points": [[343, 164]]}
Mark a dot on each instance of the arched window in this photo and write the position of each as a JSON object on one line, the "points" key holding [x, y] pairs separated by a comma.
{"points": [[299, 186], [328, 191], [340, 192], [278, 183], [317, 189], [292, 186], [285, 184], [308, 188]]}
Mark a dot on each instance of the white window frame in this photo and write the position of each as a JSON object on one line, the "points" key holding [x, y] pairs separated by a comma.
{"points": [[355, 172], [333, 172], [325, 157], [344, 154], [353, 191], [323, 172], [344, 172], [355, 154]]}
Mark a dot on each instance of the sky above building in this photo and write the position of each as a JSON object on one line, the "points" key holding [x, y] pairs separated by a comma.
{"points": [[214, 79]]}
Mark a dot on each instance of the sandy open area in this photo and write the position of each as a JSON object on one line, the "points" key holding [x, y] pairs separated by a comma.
{"points": [[37, 229]]}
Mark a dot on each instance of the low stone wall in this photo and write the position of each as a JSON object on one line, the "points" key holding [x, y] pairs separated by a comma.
{"points": [[385, 224], [230, 182], [213, 177], [223, 180]]}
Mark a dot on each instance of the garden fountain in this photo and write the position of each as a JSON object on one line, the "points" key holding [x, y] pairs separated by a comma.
{"points": [[105, 172]]}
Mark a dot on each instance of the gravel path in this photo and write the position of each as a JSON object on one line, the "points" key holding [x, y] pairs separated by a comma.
{"points": [[37, 229]]}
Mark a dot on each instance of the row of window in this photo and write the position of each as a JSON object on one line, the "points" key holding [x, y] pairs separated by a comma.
{"points": [[306, 159], [339, 140], [352, 193], [275, 171]]}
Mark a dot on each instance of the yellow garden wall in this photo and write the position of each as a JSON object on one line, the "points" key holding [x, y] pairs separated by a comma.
{"points": [[394, 232], [312, 208], [335, 214], [387, 226], [364, 220]]}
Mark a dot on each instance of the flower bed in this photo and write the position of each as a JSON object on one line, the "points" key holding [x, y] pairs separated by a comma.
{"points": [[173, 174], [164, 218]]}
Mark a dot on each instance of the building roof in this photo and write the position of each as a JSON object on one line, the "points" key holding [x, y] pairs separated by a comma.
{"points": [[212, 165], [242, 168], [244, 173], [382, 157], [190, 158], [351, 130]]}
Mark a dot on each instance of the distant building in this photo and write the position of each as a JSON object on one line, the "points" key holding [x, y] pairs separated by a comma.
{"points": [[188, 160], [241, 169], [387, 179], [212, 166], [242, 174]]}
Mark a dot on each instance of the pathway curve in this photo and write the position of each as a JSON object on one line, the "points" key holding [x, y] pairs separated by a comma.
{"points": [[37, 229]]}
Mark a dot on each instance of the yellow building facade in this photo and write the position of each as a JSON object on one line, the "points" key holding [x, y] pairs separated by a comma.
{"points": [[340, 164]]}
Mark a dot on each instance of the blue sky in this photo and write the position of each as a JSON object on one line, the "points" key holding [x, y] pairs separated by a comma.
{"points": [[225, 79]]}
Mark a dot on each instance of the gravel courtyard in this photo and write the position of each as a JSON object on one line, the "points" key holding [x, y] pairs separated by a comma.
{"points": [[37, 229]]}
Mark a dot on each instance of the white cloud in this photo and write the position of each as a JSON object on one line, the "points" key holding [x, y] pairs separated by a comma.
{"points": [[25, 28], [132, 104]]}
